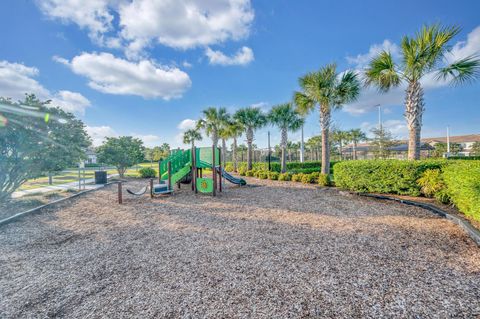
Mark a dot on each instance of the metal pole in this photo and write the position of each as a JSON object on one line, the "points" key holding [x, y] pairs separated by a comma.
{"points": [[169, 167], [448, 141], [151, 187], [302, 148], [160, 172], [220, 170]]}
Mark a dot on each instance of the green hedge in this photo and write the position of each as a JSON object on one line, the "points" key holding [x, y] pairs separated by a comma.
{"points": [[295, 167], [383, 176], [462, 180]]}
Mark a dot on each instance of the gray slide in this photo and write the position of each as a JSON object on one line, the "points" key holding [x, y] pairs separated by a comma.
{"points": [[232, 179]]}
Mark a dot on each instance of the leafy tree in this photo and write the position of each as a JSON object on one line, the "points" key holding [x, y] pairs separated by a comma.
{"points": [[160, 152], [251, 118], [192, 135], [329, 90], [356, 136], [224, 134], [422, 55], [36, 138], [475, 149], [441, 148], [212, 121], [382, 142], [121, 152], [286, 118]]}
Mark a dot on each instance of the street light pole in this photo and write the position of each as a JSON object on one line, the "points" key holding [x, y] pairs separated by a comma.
{"points": [[302, 149], [269, 166]]}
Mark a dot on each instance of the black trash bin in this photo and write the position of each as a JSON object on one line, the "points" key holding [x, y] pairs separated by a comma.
{"points": [[100, 177]]}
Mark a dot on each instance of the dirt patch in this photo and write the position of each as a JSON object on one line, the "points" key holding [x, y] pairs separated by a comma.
{"points": [[280, 250]]}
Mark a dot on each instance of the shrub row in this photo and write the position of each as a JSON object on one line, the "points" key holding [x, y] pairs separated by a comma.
{"points": [[306, 178], [383, 176], [293, 167]]}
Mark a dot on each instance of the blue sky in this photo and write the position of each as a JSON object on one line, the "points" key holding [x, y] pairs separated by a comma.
{"points": [[148, 67]]}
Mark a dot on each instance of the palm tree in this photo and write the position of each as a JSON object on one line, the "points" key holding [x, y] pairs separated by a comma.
{"points": [[212, 122], [424, 54], [235, 130], [329, 90], [191, 135], [315, 144], [356, 136], [286, 118], [224, 134], [340, 137], [251, 118]]}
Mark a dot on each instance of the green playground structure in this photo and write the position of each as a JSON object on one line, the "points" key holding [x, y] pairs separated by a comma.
{"points": [[186, 166]]}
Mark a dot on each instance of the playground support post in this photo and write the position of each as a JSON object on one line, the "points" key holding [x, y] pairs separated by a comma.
{"points": [[169, 168], [214, 171], [151, 187], [194, 170], [160, 171], [120, 199], [220, 171]]}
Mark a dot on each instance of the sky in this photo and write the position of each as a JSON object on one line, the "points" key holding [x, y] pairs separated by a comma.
{"points": [[148, 68]]}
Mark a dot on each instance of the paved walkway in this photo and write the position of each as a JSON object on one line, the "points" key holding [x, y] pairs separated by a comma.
{"points": [[88, 185]]}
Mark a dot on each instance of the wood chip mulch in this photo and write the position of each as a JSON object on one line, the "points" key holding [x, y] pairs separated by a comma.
{"points": [[278, 250]]}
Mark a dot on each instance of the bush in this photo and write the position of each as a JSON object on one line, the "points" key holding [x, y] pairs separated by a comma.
{"points": [[285, 177], [304, 170], [431, 182], [324, 180], [242, 171], [296, 167], [383, 176], [262, 174], [250, 173], [462, 179], [297, 177], [229, 167], [147, 172], [309, 178], [273, 176]]}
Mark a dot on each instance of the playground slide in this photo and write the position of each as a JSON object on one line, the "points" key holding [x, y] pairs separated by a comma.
{"points": [[232, 179]]}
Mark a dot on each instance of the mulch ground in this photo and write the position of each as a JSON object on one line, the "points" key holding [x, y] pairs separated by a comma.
{"points": [[268, 250]]}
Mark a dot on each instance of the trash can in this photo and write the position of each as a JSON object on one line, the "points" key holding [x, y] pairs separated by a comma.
{"points": [[100, 177]]}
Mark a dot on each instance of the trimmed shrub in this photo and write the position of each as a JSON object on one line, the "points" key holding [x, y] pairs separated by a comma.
{"points": [[324, 180], [463, 186], [297, 177], [285, 177], [250, 173], [431, 182], [304, 170], [147, 172], [309, 179], [273, 176], [383, 176]]}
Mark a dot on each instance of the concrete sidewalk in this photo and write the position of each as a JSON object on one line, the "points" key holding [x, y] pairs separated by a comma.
{"points": [[72, 185]]}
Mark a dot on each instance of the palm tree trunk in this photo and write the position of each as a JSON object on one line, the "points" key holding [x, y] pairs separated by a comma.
{"points": [[325, 125], [414, 108], [224, 151], [215, 138], [284, 145], [249, 136], [354, 150], [234, 154]]}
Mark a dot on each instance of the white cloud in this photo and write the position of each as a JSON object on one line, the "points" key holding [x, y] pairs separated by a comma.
{"points": [[243, 57], [70, 101], [93, 15], [16, 79], [185, 24], [181, 24], [99, 133], [398, 128], [149, 140], [362, 60], [186, 64], [186, 124], [463, 49], [109, 74]]}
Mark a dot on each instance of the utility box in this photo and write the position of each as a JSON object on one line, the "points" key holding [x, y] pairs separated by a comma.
{"points": [[100, 177]]}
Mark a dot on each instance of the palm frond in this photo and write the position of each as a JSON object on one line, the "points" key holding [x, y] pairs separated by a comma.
{"points": [[348, 89], [303, 103], [382, 72], [461, 71]]}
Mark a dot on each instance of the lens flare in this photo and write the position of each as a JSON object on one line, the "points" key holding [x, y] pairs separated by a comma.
{"points": [[47, 117], [3, 121]]}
